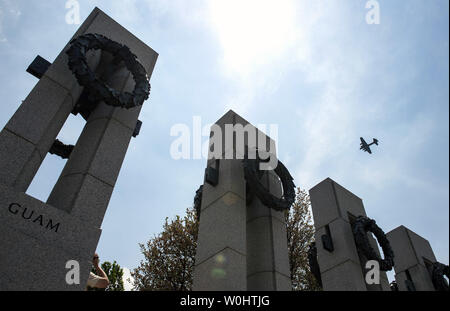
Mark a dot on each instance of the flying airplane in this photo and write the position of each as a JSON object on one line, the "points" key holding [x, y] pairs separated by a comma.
{"points": [[366, 147]]}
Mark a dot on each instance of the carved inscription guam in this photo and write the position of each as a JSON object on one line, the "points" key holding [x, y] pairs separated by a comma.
{"points": [[36, 218]]}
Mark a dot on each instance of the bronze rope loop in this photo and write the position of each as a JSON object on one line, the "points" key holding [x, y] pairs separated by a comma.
{"points": [[251, 171], [360, 228], [99, 90]]}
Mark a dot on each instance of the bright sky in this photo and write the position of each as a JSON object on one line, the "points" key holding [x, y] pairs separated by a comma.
{"points": [[314, 67]]}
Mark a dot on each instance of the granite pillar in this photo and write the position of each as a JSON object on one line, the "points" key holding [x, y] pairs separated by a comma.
{"points": [[267, 259], [342, 268], [37, 239], [414, 258], [239, 247]]}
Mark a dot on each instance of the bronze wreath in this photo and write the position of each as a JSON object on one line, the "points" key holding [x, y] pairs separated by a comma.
{"points": [[361, 226], [198, 201], [437, 276], [251, 171], [99, 90]]}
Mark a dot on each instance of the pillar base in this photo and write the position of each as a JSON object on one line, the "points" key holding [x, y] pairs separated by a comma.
{"points": [[37, 240]]}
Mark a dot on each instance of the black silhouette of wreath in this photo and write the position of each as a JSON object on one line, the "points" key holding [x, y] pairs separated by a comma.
{"points": [[198, 201], [361, 226], [437, 276], [60, 149], [252, 175], [99, 90]]}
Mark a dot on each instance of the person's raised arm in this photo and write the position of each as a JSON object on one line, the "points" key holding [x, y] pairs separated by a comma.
{"points": [[104, 281]]}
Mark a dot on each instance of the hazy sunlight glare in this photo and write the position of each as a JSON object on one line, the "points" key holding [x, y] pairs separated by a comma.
{"points": [[252, 32]]}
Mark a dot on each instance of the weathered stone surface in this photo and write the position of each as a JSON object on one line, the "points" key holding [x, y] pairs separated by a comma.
{"points": [[331, 201], [267, 251], [15, 152], [269, 281], [100, 150], [266, 246], [344, 277], [344, 246], [224, 271], [333, 206], [36, 265], [39, 109], [231, 179], [222, 225], [422, 247], [126, 117], [421, 278], [411, 254], [83, 196], [55, 227], [348, 203], [29, 169], [36, 242], [233, 148]]}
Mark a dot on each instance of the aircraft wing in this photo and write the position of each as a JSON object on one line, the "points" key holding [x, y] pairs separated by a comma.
{"points": [[363, 142], [365, 146], [366, 149]]}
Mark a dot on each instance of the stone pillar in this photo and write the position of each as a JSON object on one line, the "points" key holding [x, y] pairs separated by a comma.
{"points": [[40, 242], [220, 261], [267, 249], [239, 247], [29, 134], [87, 181], [342, 269], [414, 258]]}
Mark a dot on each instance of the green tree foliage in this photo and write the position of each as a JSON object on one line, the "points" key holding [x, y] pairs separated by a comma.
{"points": [[300, 232], [115, 276], [169, 257]]}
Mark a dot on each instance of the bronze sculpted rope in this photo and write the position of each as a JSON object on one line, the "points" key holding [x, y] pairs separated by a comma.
{"points": [[252, 175], [99, 90], [360, 228]]}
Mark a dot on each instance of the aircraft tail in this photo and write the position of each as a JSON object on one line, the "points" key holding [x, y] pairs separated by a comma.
{"points": [[375, 141]]}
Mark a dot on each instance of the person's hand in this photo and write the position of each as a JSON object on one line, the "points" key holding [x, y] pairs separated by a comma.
{"points": [[95, 260]]}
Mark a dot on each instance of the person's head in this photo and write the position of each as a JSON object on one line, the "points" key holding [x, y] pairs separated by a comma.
{"points": [[95, 259]]}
